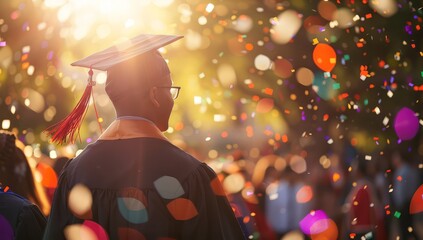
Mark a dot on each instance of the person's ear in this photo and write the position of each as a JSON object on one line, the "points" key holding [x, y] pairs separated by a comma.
{"points": [[153, 96]]}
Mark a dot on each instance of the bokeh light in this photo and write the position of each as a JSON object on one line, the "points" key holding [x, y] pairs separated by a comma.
{"points": [[305, 76], [304, 194], [298, 164], [312, 218], [285, 26], [48, 175], [80, 201], [182, 209], [385, 8], [168, 187]]}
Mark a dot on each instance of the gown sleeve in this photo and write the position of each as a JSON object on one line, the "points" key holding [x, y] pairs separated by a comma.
{"points": [[31, 223], [206, 213], [60, 216]]}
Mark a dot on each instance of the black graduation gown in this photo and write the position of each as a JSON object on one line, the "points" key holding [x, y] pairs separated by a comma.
{"points": [[144, 188], [19, 218]]}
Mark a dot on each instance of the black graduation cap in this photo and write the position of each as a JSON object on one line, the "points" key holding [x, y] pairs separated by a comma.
{"points": [[126, 50], [104, 60]]}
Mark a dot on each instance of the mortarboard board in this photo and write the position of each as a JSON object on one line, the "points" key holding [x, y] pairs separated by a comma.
{"points": [[65, 130], [124, 51]]}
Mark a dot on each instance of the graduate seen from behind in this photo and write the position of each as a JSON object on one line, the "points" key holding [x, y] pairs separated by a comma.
{"points": [[132, 183]]}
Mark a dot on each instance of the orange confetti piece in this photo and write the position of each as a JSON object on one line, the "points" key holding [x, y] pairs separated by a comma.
{"points": [[268, 91], [182, 209], [325, 117], [369, 15], [6, 189], [336, 177], [249, 47], [24, 57], [25, 65], [277, 137], [363, 71], [343, 96], [217, 187], [360, 44]]}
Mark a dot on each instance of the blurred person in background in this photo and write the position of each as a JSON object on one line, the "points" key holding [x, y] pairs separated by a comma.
{"points": [[20, 219], [283, 209], [17, 174], [406, 180], [364, 213]]}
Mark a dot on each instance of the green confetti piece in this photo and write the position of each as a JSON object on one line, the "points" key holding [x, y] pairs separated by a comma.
{"points": [[346, 57], [366, 102], [397, 214], [421, 73]]}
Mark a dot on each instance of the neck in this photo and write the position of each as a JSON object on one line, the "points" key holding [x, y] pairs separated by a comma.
{"points": [[134, 118]]}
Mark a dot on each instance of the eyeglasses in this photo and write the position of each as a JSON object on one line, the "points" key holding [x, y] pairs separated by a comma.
{"points": [[174, 91]]}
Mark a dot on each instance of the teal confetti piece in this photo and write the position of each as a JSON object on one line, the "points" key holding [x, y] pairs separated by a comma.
{"points": [[336, 86], [346, 57], [366, 102]]}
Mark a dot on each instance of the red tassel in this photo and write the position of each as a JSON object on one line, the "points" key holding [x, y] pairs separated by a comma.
{"points": [[66, 129]]}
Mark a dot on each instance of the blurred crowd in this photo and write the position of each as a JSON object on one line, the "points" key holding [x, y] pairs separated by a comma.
{"points": [[282, 194]]}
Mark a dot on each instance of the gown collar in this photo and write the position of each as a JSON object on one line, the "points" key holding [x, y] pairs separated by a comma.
{"points": [[131, 127]]}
